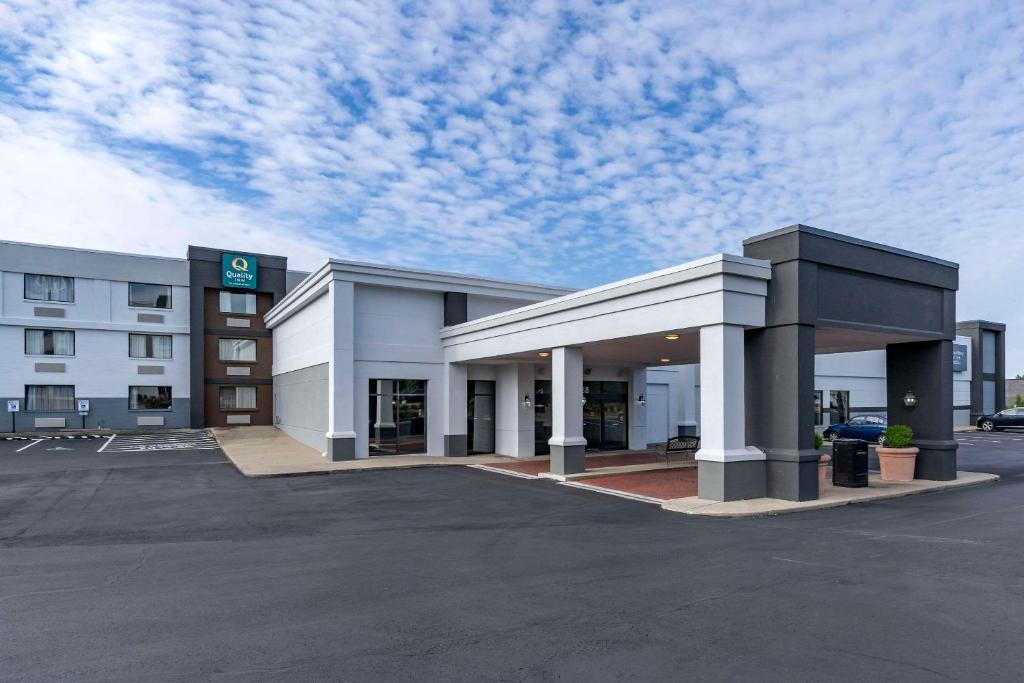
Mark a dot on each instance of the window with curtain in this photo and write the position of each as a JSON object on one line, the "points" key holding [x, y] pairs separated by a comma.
{"points": [[149, 296], [238, 398], [158, 346], [149, 398], [235, 302], [238, 349], [50, 288], [46, 398], [49, 342]]}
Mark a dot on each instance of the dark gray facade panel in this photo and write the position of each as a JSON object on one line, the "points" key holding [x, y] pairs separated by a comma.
{"points": [[456, 308], [47, 312], [104, 413], [301, 405], [875, 301], [830, 248], [568, 459], [50, 367], [151, 369], [925, 368], [976, 329], [340, 448], [456, 445], [731, 480], [789, 480], [150, 318]]}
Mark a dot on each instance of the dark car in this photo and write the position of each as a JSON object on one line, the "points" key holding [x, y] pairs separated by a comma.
{"points": [[867, 427], [1011, 417]]}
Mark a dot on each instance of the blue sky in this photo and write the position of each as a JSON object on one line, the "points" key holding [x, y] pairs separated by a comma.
{"points": [[564, 142]]}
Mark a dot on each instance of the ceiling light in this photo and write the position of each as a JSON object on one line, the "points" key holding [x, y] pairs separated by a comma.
{"points": [[671, 337], [544, 354], [666, 360]]}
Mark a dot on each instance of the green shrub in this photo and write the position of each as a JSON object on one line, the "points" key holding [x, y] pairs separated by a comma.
{"points": [[1018, 401], [818, 441], [898, 436]]}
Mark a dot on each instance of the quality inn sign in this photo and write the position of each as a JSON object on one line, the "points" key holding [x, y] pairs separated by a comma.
{"points": [[238, 271]]}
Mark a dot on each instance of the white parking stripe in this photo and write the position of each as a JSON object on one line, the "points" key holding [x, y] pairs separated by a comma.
{"points": [[25, 448], [172, 441], [104, 446]]}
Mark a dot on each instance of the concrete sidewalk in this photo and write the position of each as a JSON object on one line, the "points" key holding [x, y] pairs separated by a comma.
{"points": [[269, 452], [831, 496]]}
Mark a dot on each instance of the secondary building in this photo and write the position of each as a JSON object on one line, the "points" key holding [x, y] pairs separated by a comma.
{"points": [[100, 339]]}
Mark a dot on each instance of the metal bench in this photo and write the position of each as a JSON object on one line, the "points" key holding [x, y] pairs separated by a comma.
{"points": [[682, 444]]}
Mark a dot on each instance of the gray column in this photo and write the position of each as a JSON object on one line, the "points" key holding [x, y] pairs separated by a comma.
{"points": [[727, 469], [780, 408], [567, 443], [926, 368], [341, 434], [455, 418]]}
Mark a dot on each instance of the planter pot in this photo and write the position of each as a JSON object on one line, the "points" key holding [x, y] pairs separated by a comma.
{"points": [[823, 463], [897, 464]]}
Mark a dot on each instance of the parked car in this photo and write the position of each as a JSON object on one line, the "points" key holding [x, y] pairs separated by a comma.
{"points": [[867, 427], [1011, 417]]}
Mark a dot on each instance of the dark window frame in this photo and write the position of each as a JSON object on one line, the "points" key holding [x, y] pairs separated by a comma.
{"points": [[235, 387], [170, 397], [149, 347], [44, 330], [74, 396], [170, 296], [255, 300], [71, 288]]}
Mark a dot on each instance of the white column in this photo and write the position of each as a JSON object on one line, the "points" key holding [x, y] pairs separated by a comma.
{"points": [[723, 411], [455, 418], [567, 397], [638, 413], [513, 421], [341, 432]]}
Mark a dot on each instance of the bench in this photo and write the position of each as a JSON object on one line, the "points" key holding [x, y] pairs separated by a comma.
{"points": [[682, 444]]}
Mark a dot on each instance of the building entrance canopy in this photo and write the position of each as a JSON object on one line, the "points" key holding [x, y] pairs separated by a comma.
{"points": [[694, 312]]}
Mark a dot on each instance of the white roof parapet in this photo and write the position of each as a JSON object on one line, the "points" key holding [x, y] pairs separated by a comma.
{"points": [[716, 264], [316, 283]]}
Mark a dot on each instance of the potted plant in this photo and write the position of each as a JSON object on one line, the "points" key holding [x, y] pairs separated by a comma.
{"points": [[896, 456], [823, 462]]}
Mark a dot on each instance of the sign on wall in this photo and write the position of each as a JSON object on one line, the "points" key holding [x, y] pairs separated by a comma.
{"points": [[238, 271], [13, 406], [83, 406], [959, 357]]}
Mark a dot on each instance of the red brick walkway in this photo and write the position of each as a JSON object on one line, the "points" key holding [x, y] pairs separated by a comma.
{"points": [[663, 484]]}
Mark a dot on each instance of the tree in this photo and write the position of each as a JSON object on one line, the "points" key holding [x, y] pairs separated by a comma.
{"points": [[1018, 401], [1020, 375]]}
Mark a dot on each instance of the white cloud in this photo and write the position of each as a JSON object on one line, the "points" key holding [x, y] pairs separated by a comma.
{"points": [[523, 144]]}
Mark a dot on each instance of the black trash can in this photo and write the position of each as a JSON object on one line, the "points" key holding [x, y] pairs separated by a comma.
{"points": [[850, 463]]}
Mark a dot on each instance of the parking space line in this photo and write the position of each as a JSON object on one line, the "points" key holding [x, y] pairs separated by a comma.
{"points": [[25, 448], [104, 446]]}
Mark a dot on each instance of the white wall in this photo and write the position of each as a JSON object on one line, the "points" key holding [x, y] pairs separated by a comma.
{"points": [[304, 339], [479, 306], [100, 367], [398, 324]]}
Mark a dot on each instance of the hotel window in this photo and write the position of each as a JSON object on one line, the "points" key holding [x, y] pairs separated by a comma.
{"points": [[149, 296], [156, 346], [233, 302], [50, 288], [45, 398], [149, 398], [49, 343], [238, 398], [237, 350]]}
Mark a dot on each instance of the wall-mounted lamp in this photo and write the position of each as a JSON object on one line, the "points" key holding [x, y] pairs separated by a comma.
{"points": [[527, 402], [583, 400], [910, 399], [640, 400]]}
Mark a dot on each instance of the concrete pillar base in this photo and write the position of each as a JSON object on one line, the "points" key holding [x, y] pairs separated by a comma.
{"points": [[936, 460], [793, 476], [340, 448], [456, 445], [730, 480], [568, 459]]}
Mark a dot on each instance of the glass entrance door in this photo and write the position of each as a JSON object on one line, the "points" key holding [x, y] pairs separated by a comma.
{"points": [[480, 416], [398, 416], [604, 415]]}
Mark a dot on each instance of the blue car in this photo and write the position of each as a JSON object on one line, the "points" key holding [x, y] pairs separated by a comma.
{"points": [[867, 427]]}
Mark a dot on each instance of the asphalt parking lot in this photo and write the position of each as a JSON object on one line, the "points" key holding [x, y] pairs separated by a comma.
{"points": [[167, 564]]}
